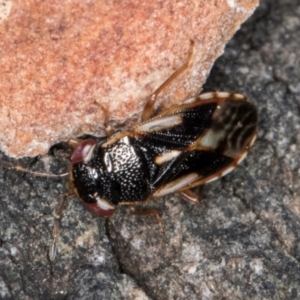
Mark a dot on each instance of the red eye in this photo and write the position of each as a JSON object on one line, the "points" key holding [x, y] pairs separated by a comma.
{"points": [[101, 208], [83, 152]]}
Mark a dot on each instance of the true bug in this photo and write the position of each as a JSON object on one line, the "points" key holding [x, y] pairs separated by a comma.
{"points": [[183, 147]]}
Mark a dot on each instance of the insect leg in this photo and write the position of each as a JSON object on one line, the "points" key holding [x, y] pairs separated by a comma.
{"points": [[53, 248], [147, 212], [74, 143], [192, 197], [55, 231], [109, 131], [149, 107]]}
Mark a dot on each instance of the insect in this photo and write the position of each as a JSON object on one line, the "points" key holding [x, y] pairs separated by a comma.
{"points": [[183, 147]]}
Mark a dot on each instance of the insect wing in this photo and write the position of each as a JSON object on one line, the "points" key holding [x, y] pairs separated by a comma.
{"points": [[198, 142], [179, 128]]}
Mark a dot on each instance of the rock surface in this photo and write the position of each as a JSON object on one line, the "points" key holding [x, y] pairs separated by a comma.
{"points": [[241, 242], [65, 64]]}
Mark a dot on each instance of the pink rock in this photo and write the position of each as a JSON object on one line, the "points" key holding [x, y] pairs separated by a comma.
{"points": [[65, 64]]}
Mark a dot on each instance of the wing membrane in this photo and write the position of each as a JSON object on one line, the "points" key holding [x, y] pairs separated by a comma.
{"points": [[197, 142]]}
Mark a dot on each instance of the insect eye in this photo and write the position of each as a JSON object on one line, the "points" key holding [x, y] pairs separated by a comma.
{"points": [[84, 151], [101, 208]]}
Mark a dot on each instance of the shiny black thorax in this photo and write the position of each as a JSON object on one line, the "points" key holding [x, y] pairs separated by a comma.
{"points": [[118, 173]]}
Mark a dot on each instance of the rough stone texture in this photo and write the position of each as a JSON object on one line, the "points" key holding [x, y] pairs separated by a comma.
{"points": [[241, 242], [65, 64]]}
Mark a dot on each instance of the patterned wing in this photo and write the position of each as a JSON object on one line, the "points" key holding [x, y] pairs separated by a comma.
{"points": [[198, 141]]}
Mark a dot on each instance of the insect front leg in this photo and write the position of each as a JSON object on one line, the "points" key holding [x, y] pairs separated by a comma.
{"points": [[74, 142], [55, 230], [109, 131], [149, 107]]}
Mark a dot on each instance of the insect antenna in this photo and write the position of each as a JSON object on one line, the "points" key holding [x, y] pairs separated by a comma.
{"points": [[19, 168]]}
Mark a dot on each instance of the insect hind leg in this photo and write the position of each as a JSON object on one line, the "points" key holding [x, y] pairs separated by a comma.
{"points": [[192, 197], [147, 212], [149, 107]]}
